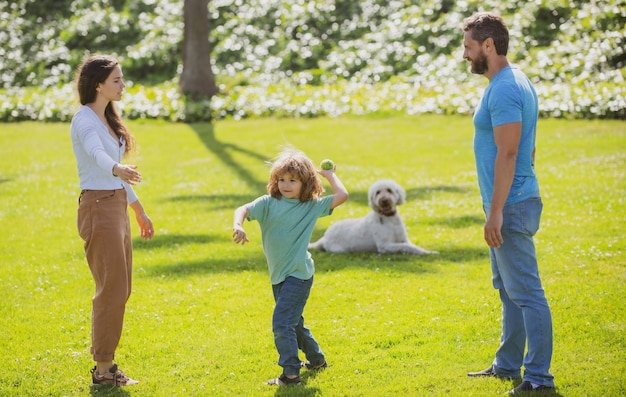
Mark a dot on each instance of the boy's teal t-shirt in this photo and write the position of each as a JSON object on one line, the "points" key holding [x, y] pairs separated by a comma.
{"points": [[286, 229], [509, 97]]}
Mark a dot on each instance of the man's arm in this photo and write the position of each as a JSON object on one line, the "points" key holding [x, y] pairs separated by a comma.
{"points": [[507, 138]]}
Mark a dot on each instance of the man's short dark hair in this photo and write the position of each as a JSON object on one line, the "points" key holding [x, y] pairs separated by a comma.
{"points": [[484, 25]]}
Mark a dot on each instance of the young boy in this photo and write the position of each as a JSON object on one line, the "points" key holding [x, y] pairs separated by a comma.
{"points": [[287, 216]]}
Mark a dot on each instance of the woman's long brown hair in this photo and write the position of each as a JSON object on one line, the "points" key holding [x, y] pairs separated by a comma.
{"points": [[93, 71]]}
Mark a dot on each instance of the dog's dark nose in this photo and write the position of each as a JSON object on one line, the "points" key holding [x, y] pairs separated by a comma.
{"points": [[385, 202]]}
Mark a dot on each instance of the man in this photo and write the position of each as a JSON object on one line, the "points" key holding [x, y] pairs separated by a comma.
{"points": [[504, 146]]}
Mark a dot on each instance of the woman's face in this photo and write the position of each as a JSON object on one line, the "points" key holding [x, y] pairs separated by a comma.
{"points": [[289, 186], [113, 87]]}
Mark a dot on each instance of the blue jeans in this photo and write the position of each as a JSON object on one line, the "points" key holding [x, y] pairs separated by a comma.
{"points": [[526, 316], [290, 334]]}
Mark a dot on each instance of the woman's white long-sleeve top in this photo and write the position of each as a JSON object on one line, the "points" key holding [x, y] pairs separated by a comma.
{"points": [[96, 153]]}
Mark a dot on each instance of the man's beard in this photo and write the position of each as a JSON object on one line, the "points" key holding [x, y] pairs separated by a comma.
{"points": [[479, 65]]}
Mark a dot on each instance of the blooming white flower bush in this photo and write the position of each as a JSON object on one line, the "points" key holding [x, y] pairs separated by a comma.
{"points": [[308, 58]]}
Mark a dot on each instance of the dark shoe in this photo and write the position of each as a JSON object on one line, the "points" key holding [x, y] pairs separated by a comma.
{"points": [[114, 377], [308, 365], [489, 372], [526, 387], [283, 380]]}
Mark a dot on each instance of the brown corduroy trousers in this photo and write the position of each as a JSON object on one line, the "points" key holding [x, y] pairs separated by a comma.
{"points": [[104, 225]]}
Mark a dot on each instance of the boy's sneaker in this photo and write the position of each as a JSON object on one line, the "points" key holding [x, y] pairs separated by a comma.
{"points": [[308, 365], [115, 377], [284, 380]]}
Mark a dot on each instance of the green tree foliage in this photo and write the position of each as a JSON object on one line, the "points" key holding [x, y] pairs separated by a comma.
{"points": [[572, 49], [44, 40]]}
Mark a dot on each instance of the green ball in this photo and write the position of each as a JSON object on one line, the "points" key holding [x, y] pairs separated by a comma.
{"points": [[327, 164]]}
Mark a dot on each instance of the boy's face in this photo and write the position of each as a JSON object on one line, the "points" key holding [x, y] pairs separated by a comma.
{"points": [[289, 186]]}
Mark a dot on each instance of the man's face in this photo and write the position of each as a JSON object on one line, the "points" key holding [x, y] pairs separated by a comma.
{"points": [[473, 52]]}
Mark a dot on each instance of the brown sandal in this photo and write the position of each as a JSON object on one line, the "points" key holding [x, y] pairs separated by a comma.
{"points": [[114, 377]]}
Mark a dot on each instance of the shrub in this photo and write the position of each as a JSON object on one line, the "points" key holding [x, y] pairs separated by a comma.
{"points": [[310, 58]]}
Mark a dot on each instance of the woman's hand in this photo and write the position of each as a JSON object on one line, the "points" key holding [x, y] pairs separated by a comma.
{"points": [[128, 173], [145, 225]]}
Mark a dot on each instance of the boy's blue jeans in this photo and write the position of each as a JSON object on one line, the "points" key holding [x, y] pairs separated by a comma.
{"points": [[290, 334], [526, 316]]}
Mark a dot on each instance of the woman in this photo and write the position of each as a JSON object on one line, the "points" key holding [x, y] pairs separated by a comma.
{"points": [[100, 141]]}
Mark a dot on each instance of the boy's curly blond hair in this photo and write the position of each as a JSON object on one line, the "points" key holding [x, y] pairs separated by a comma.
{"points": [[296, 163]]}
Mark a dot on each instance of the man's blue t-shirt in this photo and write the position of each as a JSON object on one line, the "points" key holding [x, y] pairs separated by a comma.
{"points": [[286, 229], [509, 97]]}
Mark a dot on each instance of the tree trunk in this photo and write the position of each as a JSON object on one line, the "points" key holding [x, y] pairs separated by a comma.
{"points": [[197, 80]]}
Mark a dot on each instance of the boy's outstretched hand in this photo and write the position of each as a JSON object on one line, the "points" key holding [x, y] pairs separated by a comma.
{"points": [[239, 235]]}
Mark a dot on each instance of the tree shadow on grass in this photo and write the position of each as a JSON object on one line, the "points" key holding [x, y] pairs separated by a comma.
{"points": [[412, 194], [464, 254], [330, 262], [255, 262], [206, 133], [326, 261], [423, 192], [175, 240], [214, 201], [461, 221], [222, 151]]}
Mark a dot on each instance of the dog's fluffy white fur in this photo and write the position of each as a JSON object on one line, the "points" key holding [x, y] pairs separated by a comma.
{"points": [[381, 230]]}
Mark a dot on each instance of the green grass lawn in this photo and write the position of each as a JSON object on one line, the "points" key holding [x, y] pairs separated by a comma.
{"points": [[199, 320]]}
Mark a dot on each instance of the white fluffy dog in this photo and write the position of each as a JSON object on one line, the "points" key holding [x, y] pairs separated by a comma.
{"points": [[381, 231]]}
